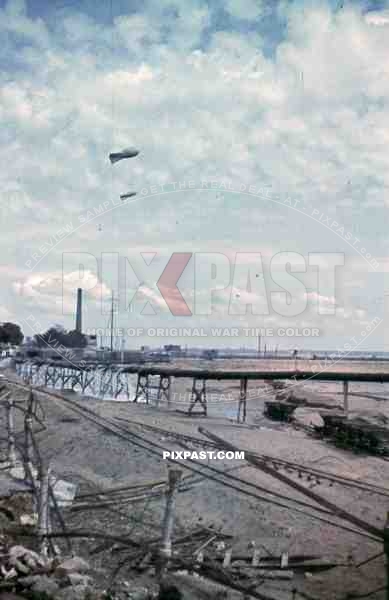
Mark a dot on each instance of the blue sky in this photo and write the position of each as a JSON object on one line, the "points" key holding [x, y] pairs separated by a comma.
{"points": [[288, 95]]}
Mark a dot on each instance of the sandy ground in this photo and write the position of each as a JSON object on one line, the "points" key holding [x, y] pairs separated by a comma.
{"points": [[83, 453]]}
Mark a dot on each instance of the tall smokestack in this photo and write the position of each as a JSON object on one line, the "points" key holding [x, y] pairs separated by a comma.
{"points": [[79, 311]]}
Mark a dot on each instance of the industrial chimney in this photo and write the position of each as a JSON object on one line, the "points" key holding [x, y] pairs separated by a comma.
{"points": [[79, 311]]}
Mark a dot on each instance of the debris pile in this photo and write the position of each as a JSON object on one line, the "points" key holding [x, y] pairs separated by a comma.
{"points": [[355, 434], [29, 574], [279, 411], [308, 418], [26, 574]]}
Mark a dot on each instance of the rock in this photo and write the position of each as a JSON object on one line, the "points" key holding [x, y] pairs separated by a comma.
{"points": [[28, 581], [138, 594], [308, 418], [78, 579], [10, 596], [24, 560], [44, 584], [11, 574], [18, 472], [29, 519], [21, 551], [72, 565], [78, 592]]}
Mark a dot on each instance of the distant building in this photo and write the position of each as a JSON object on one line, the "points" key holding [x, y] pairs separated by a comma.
{"points": [[172, 348]]}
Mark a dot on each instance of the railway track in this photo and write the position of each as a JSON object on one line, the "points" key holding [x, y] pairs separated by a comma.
{"points": [[314, 474], [211, 473]]}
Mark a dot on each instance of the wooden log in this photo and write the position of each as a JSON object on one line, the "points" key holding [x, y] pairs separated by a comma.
{"points": [[345, 399], [285, 575]]}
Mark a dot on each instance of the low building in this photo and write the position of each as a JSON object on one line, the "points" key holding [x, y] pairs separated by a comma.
{"points": [[172, 348]]}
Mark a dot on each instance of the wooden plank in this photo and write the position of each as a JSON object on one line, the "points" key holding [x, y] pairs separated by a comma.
{"points": [[227, 558], [255, 560]]}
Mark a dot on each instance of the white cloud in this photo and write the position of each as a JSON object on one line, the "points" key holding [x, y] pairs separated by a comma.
{"points": [[378, 17], [56, 293], [199, 101]]}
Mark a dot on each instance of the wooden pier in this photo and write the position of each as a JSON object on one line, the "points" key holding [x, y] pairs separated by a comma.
{"points": [[112, 380]]}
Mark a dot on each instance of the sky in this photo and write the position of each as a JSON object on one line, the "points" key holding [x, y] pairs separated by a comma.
{"points": [[262, 130]]}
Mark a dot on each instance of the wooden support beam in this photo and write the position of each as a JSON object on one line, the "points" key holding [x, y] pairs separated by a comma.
{"points": [[164, 389], [242, 408], [198, 396], [142, 387], [28, 468], [345, 399]]}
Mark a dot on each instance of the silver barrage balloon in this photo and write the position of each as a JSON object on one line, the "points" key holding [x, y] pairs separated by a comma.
{"points": [[128, 195], [114, 157]]}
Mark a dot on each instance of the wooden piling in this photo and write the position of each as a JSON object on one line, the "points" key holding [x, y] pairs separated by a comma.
{"points": [[165, 551], [28, 468], [242, 401], [43, 508], [345, 399], [11, 458]]}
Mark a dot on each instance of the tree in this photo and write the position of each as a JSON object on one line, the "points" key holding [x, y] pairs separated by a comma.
{"points": [[10, 333], [75, 339], [56, 336], [3, 336], [51, 337]]}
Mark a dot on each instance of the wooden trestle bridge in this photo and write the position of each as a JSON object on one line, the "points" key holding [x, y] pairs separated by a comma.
{"points": [[154, 383]]}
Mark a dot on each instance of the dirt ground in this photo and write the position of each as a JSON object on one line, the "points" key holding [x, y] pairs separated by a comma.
{"points": [[81, 452]]}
